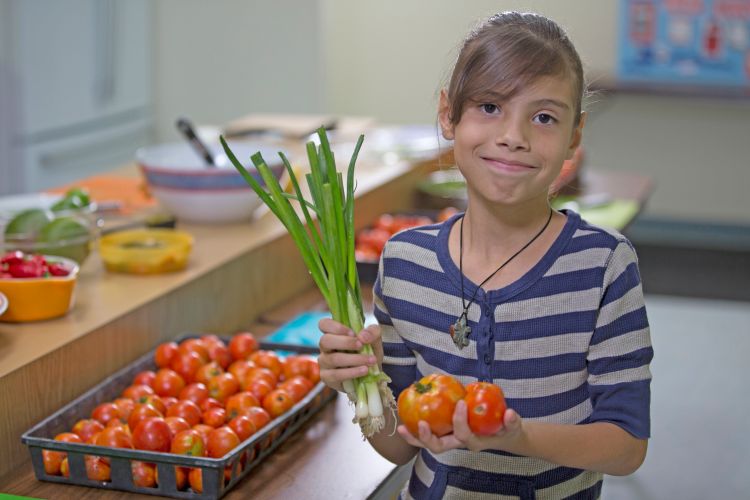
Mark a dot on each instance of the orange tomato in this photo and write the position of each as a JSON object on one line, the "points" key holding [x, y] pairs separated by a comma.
{"points": [[242, 345], [277, 402]]}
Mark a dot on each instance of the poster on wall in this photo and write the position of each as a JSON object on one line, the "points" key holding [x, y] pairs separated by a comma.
{"points": [[696, 43]]}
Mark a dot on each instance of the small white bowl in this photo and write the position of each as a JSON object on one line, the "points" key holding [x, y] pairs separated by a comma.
{"points": [[195, 192]]}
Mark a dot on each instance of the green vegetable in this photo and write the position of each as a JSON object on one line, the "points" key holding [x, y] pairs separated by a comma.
{"points": [[66, 237], [327, 249], [74, 199], [26, 224]]}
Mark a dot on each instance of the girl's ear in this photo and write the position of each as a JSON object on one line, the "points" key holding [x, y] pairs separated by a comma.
{"points": [[577, 137], [444, 116]]}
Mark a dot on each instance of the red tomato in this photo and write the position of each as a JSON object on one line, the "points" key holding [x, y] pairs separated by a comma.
{"points": [[277, 402], [267, 359], [238, 402], [188, 442], [146, 377], [194, 345], [155, 401], [195, 477], [258, 415], [187, 363], [142, 411], [152, 434], [485, 406], [222, 386], [169, 401], [301, 365], [260, 373], [205, 372], [239, 368], [432, 399], [168, 383], [242, 345], [164, 354], [210, 403], [86, 428], [374, 238], [221, 441], [176, 424], [446, 214], [203, 430], [137, 391], [97, 469], [215, 417], [144, 474], [385, 222], [259, 388], [125, 405], [220, 353], [297, 387], [53, 459], [186, 409], [114, 437], [243, 426], [106, 412], [195, 392]]}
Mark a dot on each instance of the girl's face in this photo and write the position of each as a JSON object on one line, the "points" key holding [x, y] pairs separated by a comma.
{"points": [[510, 152]]}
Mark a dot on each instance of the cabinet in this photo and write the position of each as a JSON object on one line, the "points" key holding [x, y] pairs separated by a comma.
{"points": [[79, 73]]}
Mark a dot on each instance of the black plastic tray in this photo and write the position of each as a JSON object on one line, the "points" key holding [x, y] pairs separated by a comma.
{"points": [[258, 446]]}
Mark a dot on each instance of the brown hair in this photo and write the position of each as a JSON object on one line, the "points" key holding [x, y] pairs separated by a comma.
{"points": [[508, 51]]}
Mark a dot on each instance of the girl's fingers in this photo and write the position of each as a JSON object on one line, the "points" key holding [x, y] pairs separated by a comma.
{"points": [[345, 360], [337, 376], [327, 325], [460, 422], [334, 342]]}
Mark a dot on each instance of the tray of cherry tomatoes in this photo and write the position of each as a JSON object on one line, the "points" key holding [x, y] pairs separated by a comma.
{"points": [[369, 242], [189, 419]]}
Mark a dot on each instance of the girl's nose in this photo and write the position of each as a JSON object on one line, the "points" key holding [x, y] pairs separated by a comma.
{"points": [[513, 135]]}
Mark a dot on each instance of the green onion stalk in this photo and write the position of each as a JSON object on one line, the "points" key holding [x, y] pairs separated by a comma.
{"points": [[327, 248]]}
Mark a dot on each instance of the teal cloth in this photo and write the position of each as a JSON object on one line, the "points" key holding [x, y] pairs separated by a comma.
{"points": [[303, 329]]}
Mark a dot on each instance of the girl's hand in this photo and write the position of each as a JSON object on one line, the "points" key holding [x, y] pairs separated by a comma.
{"points": [[462, 437], [339, 359]]}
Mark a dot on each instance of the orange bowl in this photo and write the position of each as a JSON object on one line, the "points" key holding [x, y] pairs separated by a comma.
{"points": [[34, 299]]}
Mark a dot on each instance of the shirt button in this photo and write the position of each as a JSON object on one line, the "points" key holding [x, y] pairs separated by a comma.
{"points": [[487, 358]]}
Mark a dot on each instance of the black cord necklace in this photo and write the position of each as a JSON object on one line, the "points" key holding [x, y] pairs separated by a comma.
{"points": [[460, 330]]}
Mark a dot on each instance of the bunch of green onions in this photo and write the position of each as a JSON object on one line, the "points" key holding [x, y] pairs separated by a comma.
{"points": [[327, 248]]}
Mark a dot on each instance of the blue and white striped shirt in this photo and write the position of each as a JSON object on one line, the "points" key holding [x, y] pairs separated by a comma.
{"points": [[568, 342]]}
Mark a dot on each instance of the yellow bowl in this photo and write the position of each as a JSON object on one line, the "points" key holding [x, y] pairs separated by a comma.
{"points": [[146, 251], [34, 299]]}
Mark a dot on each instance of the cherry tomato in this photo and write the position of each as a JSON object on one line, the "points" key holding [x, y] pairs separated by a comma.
{"points": [[144, 474], [146, 377], [168, 383], [87, 427], [188, 442], [222, 386], [485, 406], [187, 363], [106, 412], [152, 434], [432, 399], [195, 392], [269, 360], [114, 437], [164, 353], [176, 424], [53, 459], [215, 417], [137, 391], [205, 372], [243, 426], [142, 411], [194, 345], [277, 402], [258, 415], [238, 402], [221, 441], [242, 345], [186, 409]]}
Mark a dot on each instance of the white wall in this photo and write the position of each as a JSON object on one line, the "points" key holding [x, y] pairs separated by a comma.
{"points": [[387, 59]]}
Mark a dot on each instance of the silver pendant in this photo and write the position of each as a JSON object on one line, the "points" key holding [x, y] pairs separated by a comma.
{"points": [[460, 331]]}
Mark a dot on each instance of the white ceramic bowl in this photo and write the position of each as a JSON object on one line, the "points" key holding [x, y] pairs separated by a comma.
{"points": [[195, 192]]}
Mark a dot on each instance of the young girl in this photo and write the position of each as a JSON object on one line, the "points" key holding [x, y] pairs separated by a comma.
{"points": [[539, 302]]}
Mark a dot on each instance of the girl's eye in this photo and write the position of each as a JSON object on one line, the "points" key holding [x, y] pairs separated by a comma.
{"points": [[544, 118], [490, 109]]}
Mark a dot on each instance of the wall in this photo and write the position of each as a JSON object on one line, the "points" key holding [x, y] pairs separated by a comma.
{"points": [[219, 60], [387, 59]]}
